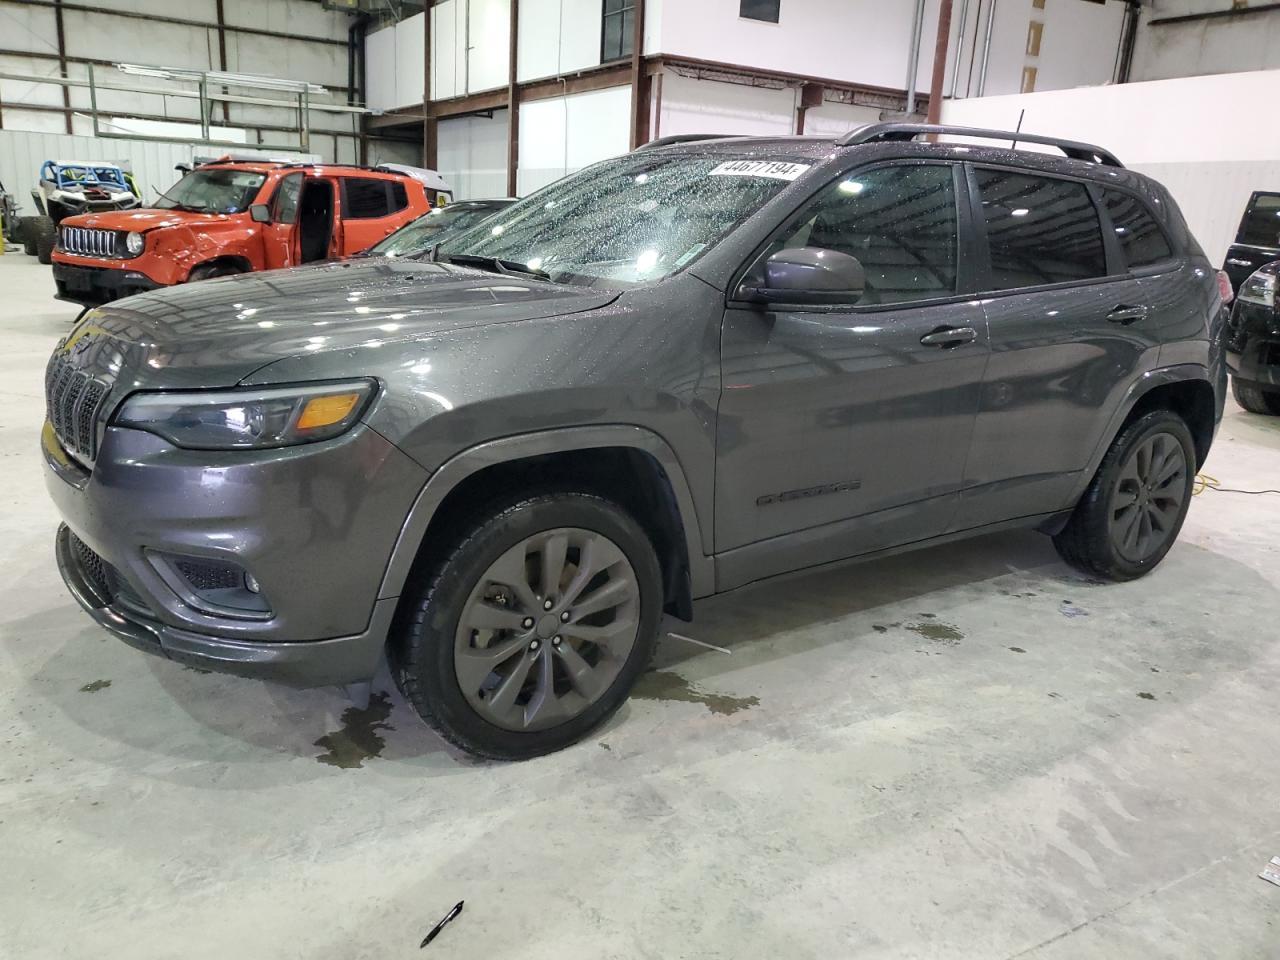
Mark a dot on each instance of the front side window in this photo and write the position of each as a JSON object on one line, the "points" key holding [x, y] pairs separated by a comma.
{"points": [[617, 30], [630, 220], [364, 198], [900, 222], [1040, 230], [213, 191], [284, 208], [1261, 226], [1143, 242]]}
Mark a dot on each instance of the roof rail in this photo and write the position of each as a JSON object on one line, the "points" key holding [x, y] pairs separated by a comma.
{"points": [[685, 138], [891, 132]]}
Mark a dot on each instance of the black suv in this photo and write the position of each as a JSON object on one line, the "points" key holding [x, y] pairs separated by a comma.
{"points": [[663, 377]]}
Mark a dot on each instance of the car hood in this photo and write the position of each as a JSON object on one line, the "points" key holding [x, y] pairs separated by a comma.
{"points": [[142, 220], [215, 333]]}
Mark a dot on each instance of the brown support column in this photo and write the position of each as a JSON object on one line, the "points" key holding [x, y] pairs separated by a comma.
{"points": [[429, 120], [940, 61], [810, 96], [639, 81], [222, 55], [513, 101], [62, 61]]}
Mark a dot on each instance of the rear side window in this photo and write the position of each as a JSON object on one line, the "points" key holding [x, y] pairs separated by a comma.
{"points": [[1261, 225], [899, 221], [1141, 238], [1040, 230], [364, 198], [399, 196]]}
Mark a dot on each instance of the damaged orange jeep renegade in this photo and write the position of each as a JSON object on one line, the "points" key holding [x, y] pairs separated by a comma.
{"points": [[229, 217]]}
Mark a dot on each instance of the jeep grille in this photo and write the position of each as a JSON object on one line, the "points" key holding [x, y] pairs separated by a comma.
{"points": [[88, 243], [73, 401]]}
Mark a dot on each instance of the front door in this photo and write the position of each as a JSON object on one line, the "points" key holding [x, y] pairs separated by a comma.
{"points": [[850, 425], [1072, 325], [280, 236]]}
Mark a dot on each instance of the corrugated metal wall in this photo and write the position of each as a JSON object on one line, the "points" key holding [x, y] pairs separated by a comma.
{"points": [[152, 164]]}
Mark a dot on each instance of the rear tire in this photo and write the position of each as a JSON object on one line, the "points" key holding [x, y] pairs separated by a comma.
{"points": [[1132, 511], [1254, 399], [42, 234], [26, 235], [531, 631]]}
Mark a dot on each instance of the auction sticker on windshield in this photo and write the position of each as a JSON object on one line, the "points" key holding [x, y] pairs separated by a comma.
{"points": [[774, 169]]}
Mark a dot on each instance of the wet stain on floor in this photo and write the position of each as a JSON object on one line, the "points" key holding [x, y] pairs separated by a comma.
{"points": [[937, 631], [665, 685], [1071, 611], [95, 686], [358, 740], [885, 627], [199, 670], [1147, 696], [1017, 650]]}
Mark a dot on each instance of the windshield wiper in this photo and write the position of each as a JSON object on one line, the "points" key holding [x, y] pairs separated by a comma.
{"points": [[493, 265]]}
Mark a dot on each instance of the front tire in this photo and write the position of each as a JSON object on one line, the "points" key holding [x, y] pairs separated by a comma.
{"points": [[42, 235], [208, 271], [1254, 399], [1131, 514], [532, 630]]}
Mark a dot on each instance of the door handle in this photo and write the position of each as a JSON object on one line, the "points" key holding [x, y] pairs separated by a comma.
{"points": [[1237, 262], [949, 337], [1127, 315]]}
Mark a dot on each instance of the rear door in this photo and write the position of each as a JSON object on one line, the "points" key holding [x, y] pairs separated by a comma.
{"points": [[280, 236], [849, 425], [370, 206], [1071, 328], [1258, 239]]}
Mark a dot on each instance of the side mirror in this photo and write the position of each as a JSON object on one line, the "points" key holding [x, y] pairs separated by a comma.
{"points": [[810, 275], [260, 212]]}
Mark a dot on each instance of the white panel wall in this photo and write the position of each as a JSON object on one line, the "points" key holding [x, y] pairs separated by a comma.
{"points": [[564, 134], [471, 154], [489, 42], [1221, 45], [1210, 171], [448, 50], [557, 37], [704, 106], [410, 53], [381, 69]]}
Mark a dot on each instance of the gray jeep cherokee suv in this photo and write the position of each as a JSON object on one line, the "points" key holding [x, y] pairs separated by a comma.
{"points": [[670, 374]]}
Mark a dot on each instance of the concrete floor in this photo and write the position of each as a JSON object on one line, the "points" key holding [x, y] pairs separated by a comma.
{"points": [[964, 752]]}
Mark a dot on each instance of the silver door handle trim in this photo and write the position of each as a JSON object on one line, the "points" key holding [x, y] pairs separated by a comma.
{"points": [[1127, 315]]}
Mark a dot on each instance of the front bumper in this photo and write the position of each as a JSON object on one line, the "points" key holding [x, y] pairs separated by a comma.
{"points": [[94, 286], [315, 525]]}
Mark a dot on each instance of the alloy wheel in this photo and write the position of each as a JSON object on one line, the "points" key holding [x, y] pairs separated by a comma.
{"points": [[1148, 499], [547, 629]]}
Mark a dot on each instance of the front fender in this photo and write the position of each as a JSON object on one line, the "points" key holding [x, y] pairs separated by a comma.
{"points": [[458, 468]]}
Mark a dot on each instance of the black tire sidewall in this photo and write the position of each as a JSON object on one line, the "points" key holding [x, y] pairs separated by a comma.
{"points": [[1099, 498], [424, 661]]}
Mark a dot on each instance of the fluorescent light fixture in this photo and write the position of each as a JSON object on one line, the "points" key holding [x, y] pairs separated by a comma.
{"points": [[222, 79]]}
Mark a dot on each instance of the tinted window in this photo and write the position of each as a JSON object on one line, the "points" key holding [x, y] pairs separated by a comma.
{"points": [[1140, 236], [1040, 230], [284, 208], [363, 199], [399, 197], [1261, 226], [766, 10], [900, 222]]}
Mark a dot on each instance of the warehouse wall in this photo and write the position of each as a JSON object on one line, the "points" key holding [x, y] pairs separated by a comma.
{"points": [[1245, 41], [565, 134], [1209, 169], [471, 153], [152, 164], [322, 59]]}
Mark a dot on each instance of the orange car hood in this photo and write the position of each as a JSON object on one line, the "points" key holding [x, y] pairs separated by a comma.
{"points": [[142, 220]]}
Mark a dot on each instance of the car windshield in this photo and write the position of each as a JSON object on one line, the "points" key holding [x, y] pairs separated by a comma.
{"points": [[419, 236], [631, 220], [213, 191]]}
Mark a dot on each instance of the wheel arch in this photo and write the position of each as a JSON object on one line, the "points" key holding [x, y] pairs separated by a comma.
{"points": [[625, 463], [239, 262]]}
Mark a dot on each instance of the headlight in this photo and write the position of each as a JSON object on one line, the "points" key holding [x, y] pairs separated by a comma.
{"points": [[1259, 288], [134, 243], [248, 419]]}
